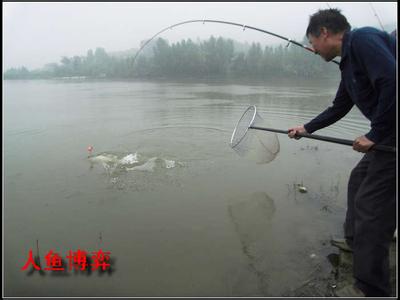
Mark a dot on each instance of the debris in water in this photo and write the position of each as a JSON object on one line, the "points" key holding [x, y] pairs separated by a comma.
{"points": [[301, 188], [326, 208], [313, 148]]}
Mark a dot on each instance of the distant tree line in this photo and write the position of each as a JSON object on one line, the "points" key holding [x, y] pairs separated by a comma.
{"points": [[215, 57]]}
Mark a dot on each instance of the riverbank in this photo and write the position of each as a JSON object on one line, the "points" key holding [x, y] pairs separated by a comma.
{"points": [[325, 285]]}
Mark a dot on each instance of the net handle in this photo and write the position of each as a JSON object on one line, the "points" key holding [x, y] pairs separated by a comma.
{"points": [[383, 148]]}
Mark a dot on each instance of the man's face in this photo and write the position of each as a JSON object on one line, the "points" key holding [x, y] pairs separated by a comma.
{"points": [[322, 45]]}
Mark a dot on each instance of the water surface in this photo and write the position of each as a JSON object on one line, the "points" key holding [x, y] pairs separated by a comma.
{"points": [[186, 216]]}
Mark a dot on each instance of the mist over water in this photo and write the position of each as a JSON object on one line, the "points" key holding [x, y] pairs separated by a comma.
{"points": [[181, 213]]}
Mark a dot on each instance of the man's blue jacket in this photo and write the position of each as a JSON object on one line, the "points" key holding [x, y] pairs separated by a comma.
{"points": [[368, 68]]}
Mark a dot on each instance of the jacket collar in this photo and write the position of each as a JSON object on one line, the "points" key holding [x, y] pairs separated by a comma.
{"points": [[345, 48]]}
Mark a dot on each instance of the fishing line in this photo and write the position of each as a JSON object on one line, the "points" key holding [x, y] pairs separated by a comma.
{"points": [[376, 15]]}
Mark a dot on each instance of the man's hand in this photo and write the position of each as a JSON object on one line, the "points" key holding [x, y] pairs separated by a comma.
{"points": [[362, 144], [295, 130]]}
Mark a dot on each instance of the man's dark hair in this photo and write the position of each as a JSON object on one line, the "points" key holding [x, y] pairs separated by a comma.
{"points": [[331, 18]]}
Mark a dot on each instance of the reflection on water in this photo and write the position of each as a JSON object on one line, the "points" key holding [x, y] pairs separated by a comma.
{"points": [[252, 222], [177, 208], [252, 217]]}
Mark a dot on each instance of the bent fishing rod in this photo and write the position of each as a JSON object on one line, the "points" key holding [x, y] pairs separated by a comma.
{"points": [[243, 26]]}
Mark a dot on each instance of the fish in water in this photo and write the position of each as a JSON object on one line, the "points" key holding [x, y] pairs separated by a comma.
{"points": [[131, 162], [104, 158]]}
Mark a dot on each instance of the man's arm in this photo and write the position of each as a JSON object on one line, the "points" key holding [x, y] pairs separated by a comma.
{"points": [[342, 104]]}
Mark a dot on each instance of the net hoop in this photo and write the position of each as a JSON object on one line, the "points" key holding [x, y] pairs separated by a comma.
{"points": [[247, 129]]}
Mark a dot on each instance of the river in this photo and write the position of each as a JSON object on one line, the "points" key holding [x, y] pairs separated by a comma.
{"points": [[180, 213]]}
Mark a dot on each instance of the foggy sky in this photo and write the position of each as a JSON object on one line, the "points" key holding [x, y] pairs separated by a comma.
{"points": [[38, 33]]}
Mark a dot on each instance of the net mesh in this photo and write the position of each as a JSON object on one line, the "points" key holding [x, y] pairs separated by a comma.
{"points": [[258, 145]]}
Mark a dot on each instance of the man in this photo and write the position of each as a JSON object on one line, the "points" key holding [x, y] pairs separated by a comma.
{"points": [[368, 72]]}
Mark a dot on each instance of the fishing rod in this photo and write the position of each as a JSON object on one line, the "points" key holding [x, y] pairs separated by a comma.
{"points": [[376, 15], [243, 26]]}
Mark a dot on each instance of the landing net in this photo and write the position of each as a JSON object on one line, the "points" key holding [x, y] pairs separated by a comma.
{"points": [[260, 146]]}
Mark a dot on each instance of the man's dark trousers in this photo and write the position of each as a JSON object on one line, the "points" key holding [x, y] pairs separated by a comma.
{"points": [[371, 220]]}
